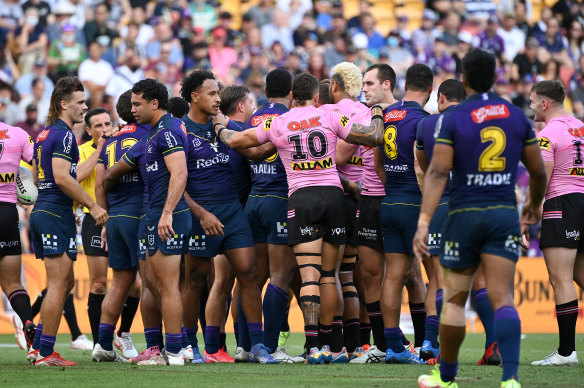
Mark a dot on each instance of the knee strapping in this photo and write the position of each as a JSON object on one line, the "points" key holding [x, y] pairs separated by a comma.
{"points": [[347, 267], [453, 315], [313, 265], [310, 298], [307, 254], [327, 274], [309, 283], [455, 284]]}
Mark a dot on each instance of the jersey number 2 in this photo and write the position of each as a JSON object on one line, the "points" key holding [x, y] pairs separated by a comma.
{"points": [[491, 159]]}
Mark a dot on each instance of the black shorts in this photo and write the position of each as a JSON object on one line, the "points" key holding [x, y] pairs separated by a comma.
{"points": [[9, 233], [315, 212], [350, 214], [562, 222], [91, 237], [367, 230]]}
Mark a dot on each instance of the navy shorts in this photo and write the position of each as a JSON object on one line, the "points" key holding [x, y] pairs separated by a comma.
{"points": [[267, 217], [468, 233], [236, 231], [177, 245], [141, 235], [122, 240], [53, 231], [399, 223], [435, 229]]}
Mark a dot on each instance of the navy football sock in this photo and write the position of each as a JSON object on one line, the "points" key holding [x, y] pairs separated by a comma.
{"points": [[485, 312], [274, 307], [508, 335]]}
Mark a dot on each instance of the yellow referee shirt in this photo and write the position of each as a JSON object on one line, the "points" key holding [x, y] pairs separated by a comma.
{"points": [[88, 184]]}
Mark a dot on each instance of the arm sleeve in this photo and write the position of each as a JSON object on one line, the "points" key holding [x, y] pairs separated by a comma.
{"points": [[131, 155], [63, 144], [170, 141], [420, 135], [264, 130], [27, 148], [546, 145], [444, 130], [340, 124]]}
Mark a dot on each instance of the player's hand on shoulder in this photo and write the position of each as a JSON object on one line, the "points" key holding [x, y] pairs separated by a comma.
{"points": [[211, 224], [220, 118]]}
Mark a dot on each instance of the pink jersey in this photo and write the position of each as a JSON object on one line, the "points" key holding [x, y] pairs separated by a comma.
{"points": [[353, 169], [15, 145], [562, 142], [306, 140], [371, 184]]}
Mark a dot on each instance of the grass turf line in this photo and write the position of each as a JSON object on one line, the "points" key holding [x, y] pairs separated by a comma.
{"points": [[14, 371]]}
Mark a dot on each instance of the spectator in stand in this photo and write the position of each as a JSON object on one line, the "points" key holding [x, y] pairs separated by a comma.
{"points": [[261, 13], [402, 32], [323, 10], [575, 37], [423, 38], [279, 30], [355, 21], [336, 53], [221, 56], [247, 23], [130, 39], [376, 41], [234, 37], [479, 10], [125, 76], [502, 88], [523, 91], [526, 63], [577, 95], [31, 40], [80, 15], [451, 26], [38, 99], [513, 37], [277, 55], [294, 64], [65, 54], [489, 40], [256, 66], [95, 74], [163, 69], [199, 57], [97, 30], [540, 27], [308, 26], [554, 45], [8, 109], [338, 29], [43, 8], [163, 37], [294, 9], [10, 16], [24, 84], [30, 123], [550, 71], [316, 65], [439, 59], [145, 31], [63, 14], [465, 44], [203, 15]]}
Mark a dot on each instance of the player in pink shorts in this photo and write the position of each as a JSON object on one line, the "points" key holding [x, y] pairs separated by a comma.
{"points": [[306, 139], [561, 143], [15, 145]]}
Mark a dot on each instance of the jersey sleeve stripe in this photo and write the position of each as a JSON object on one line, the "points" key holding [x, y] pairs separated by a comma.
{"points": [[172, 150], [127, 160], [62, 156], [531, 141], [444, 141]]}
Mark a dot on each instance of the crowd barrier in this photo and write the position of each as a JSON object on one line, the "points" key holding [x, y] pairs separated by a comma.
{"points": [[533, 297]]}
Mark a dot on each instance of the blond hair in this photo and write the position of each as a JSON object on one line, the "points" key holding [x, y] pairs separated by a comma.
{"points": [[349, 78]]}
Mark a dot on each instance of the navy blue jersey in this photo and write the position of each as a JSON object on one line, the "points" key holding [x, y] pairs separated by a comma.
{"points": [[397, 149], [136, 157], [488, 135], [241, 171], [126, 197], [210, 173], [425, 140], [56, 141], [166, 137], [268, 176]]}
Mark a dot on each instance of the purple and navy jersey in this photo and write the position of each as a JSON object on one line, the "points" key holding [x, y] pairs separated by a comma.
{"points": [[488, 135], [136, 157], [55, 141], [210, 173], [397, 150], [126, 197], [166, 137], [425, 141], [240, 167], [268, 176]]}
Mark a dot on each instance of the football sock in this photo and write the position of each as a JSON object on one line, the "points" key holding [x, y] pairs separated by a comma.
{"points": [[212, 339], [508, 336], [485, 312], [393, 339], [173, 342], [36, 343], [285, 324], [20, 302], [448, 371], [567, 315], [128, 314], [418, 314], [439, 302], [184, 337], [236, 333], [47, 345], [244, 340], [376, 319], [94, 312], [160, 337], [152, 335], [71, 317], [337, 334], [192, 336], [351, 334], [325, 333], [365, 329], [311, 333], [256, 334], [106, 336], [36, 306], [222, 343], [274, 308], [431, 330]]}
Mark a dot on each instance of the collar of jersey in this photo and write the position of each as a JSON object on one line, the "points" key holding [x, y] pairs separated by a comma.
{"points": [[479, 96], [60, 124], [198, 129]]}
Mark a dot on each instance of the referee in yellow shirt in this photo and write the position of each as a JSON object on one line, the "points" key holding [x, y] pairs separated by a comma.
{"points": [[98, 124]]}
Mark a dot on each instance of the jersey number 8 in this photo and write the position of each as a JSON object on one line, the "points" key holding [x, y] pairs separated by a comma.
{"points": [[491, 159], [389, 142]]}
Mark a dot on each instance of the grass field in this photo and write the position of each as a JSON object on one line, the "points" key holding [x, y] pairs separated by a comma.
{"points": [[15, 372]]}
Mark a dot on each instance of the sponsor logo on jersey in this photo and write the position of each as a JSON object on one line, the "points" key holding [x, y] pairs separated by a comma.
{"points": [[268, 123], [490, 179], [272, 158], [355, 161], [255, 121], [344, 121], [220, 158], [43, 135], [395, 115], [576, 132], [197, 242], [30, 140], [152, 167], [129, 128], [196, 142], [67, 142], [183, 127], [315, 165], [577, 171], [304, 124], [489, 112], [544, 143], [170, 140], [7, 177], [3, 134]]}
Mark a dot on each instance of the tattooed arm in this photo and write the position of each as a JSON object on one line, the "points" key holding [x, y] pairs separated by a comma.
{"points": [[234, 139], [369, 135]]}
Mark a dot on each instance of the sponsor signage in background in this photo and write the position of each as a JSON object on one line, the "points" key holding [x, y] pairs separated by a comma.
{"points": [[534, 298]]}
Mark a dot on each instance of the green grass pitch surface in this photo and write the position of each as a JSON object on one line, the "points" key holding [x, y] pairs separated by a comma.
{"points": [[15, 372]]}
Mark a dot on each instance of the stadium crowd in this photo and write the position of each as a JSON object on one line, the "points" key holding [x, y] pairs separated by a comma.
{"points": [[84, 72]]}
